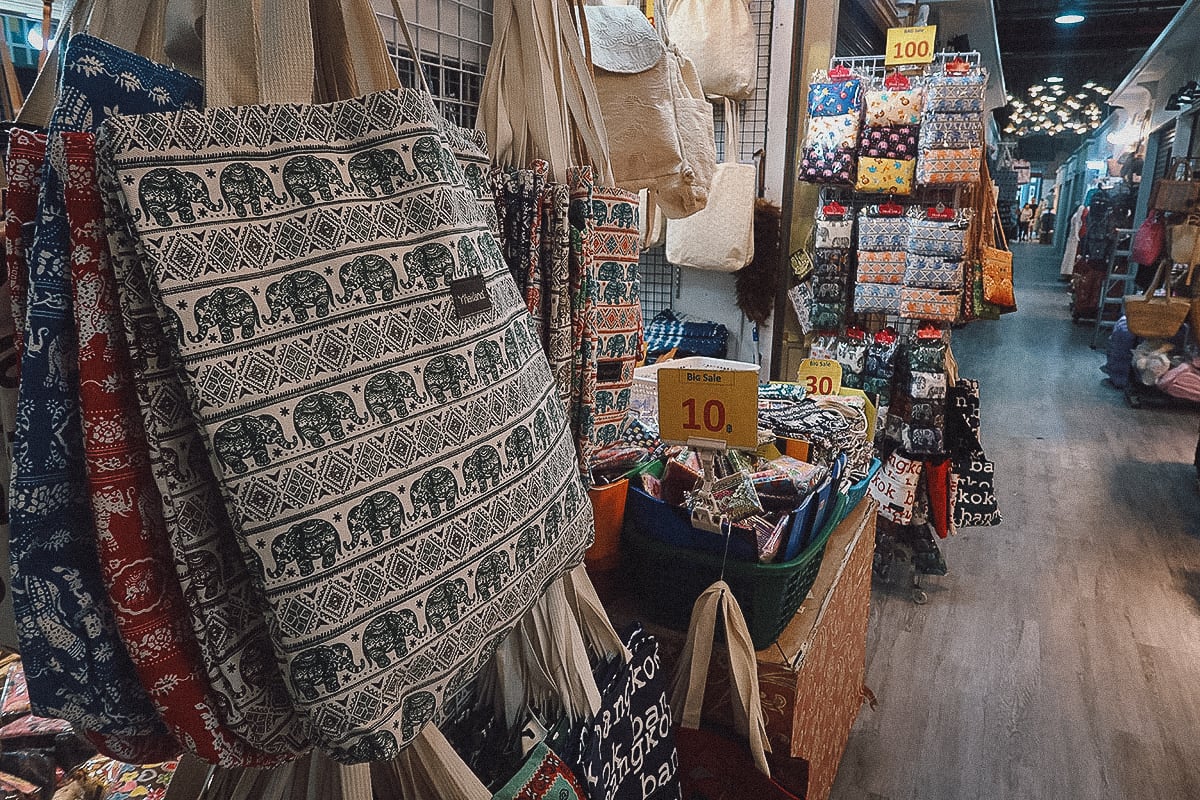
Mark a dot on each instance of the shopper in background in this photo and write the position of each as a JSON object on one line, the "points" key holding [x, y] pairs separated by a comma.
{"points": [[1026, 219], [1045, 226]]}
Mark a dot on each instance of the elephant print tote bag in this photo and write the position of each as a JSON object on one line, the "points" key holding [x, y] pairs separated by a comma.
{"points": [[135, 556], [76, 664], [382, 422]]}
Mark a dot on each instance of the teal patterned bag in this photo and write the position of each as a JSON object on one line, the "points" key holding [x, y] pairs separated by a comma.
{"points": [[382, 422]]}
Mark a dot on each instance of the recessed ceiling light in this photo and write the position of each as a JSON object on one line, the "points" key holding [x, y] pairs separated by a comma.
{"points": [[1069, 18], [1054, 79]]}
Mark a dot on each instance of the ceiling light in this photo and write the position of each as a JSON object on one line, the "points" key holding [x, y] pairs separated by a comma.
{"points": [[34, 37], [1069, 18], [1054, 79]]}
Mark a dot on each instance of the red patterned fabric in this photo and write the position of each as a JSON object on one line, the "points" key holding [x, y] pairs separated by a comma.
{"points": [[26, 153], [133, 542]]}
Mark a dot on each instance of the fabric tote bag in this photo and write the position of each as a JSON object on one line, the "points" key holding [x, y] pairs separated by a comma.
{"points": [[77, 666], [721, 236], [347, 429], [711, 764], [145, 592], [719, 36]]}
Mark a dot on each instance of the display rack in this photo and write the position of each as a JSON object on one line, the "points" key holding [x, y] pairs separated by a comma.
{"points": [[873, 66]]}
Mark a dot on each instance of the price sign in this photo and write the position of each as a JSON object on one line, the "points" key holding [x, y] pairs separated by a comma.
{"points": [[910, 45], [820, 376], [709, 404]]}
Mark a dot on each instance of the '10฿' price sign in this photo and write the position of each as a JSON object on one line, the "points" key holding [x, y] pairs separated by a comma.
{"points": [[712, 404], [910, 45], [820, 376]]}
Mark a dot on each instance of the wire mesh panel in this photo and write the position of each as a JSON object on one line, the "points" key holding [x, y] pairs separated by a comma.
{"points": [[660, 278], [454, 38]]}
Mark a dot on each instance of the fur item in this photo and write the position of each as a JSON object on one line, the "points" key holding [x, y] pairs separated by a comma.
{"points": [[758, 281]]}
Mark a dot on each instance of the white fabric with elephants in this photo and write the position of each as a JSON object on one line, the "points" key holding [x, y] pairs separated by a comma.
{"points": [[401, 479]]}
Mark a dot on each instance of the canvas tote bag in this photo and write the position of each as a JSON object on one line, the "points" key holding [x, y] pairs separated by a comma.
{"points": [[343, 427], [76, 663], [719, 36], [721, 237]]}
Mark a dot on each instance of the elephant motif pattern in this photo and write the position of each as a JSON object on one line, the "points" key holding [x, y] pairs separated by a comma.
{"points": [[76, 664], [360, 452], [245, 185], [611, 339]]}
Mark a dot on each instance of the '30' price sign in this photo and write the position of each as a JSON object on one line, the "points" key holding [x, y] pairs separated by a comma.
{"points": [[712, 404], [820, 376]]}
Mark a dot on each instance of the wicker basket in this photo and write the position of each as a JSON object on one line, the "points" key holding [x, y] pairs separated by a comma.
{"points": [[1156, 317]]}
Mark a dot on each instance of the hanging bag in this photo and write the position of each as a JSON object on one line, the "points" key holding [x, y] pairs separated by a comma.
{"points": [[660, 131], [349, 430], [997, 261], [711, 765], [1150, 240], [718, 35], [1156, 317], [76, 664], [721, 237]]}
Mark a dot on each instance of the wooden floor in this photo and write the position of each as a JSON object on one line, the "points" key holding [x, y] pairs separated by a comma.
{"points": [[1060, 658]]}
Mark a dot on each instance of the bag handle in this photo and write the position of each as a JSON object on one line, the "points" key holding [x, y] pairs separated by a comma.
{"points": [[687, 698], [593, 620], [39, 103], [430, 767], [1159, 281], [732, 131]]}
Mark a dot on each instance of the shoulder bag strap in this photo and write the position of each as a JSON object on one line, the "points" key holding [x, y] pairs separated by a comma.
{"points": [[39, 103], [247, 62], [593, 620]]}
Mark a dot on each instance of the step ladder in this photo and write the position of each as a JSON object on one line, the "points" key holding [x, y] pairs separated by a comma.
{"points": [[1121, 272]]}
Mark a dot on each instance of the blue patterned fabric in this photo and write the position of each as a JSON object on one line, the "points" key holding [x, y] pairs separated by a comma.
{"points": [[692, 336], [75, 662]]}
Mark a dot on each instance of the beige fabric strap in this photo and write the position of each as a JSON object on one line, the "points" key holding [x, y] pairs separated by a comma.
{"points": [[732, 150], [687, 698], [597, 628], [248, 63], [430, 769]]}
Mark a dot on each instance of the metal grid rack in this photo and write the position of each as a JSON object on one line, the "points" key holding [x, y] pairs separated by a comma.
{"points": [[872, 66], [660, 278], [454, 38]]}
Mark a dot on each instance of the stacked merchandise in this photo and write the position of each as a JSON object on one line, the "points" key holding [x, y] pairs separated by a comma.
{"points": [[933, 268], [887, 149], [882, 238], [952, 128], [835, 111], [832, 267]]}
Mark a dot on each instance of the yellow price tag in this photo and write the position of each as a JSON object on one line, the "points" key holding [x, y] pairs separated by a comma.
{"points": [[708, 404], [820, 376], [910, 45]]}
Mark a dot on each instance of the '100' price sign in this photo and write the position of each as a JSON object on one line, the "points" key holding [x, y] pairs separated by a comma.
{"points": [[910, 45], [708, 404]]}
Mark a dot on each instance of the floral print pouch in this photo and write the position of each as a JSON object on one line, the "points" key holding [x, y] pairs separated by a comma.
{"points": [[894, 106], [885, 175], [833, 98]]}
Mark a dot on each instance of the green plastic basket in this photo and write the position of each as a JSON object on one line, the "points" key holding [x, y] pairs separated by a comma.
{"points": [[668, 580]]}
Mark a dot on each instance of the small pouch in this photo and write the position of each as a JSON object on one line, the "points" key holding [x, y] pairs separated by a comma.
{"points": [[683, 474], [834, 233], [949, 166], [926, 355], [882, 233], [894, 106], [959, 94], [834, 261], [834, 98], [885, 175], [824, 346], [941, 305], [932, 272], [895, 141], [832, 133], [882, 267], [877, 298], [922, 441], [927, 385], [852, 355], [834, 167], [804, 476], [827, 317], [881, 358], [951, 132], [735, 497], [829, 289], [932, 238]]}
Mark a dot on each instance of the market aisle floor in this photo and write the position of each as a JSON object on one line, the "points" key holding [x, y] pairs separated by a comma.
{"points": [[1060, 658]]}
